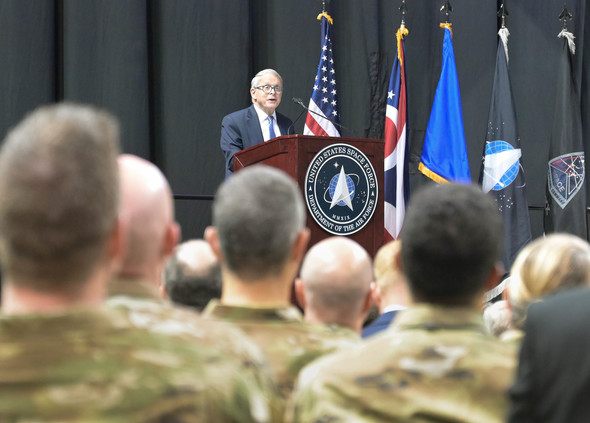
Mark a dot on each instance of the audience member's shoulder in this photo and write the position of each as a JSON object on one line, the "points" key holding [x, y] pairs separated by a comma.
{"points": [[183, 322], [564, 299], [566, 308], [109, 364], [331, 336]]}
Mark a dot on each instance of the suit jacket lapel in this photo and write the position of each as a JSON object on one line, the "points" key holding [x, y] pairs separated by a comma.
{"points": [[253, 128]]}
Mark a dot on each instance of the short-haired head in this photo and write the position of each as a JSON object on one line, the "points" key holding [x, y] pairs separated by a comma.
{"points": [[385, 267], [336, 274], [193, 275], [58, 195], [148, 210], [256, 80], [452, 242], [546, 266], [497, 318], [258, 214]]}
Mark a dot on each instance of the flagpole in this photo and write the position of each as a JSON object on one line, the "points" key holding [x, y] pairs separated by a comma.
{"points": [[447, 9], [403, 8], [395, 166], [502, 13], [565, 16]]}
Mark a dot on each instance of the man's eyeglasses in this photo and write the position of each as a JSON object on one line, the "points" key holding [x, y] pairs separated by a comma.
{"points": [[267, 89]]}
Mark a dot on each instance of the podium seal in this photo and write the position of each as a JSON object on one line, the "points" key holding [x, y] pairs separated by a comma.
{"points": [[341, 189]]}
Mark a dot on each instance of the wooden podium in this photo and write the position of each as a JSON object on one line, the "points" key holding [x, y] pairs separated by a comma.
{"points": [[294, 153]]}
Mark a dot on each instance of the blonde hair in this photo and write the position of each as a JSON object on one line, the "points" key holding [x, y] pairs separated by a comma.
{"points": [[546, 266], [384, 267]]}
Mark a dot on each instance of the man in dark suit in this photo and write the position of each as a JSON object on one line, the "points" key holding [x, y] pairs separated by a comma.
{"points": [[257, 123], [390, 290], [553, 378]]}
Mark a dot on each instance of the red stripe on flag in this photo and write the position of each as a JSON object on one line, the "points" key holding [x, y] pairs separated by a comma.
{"points": [[314, 126]]}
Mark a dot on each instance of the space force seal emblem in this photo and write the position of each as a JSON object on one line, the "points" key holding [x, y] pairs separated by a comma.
{"points": [[566, 177], [341, 189]]}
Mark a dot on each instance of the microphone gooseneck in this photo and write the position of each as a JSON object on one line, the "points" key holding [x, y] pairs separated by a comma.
{"points": [[300, 102]]}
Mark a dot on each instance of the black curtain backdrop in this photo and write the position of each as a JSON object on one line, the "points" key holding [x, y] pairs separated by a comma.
{"points": [[171, 69]]}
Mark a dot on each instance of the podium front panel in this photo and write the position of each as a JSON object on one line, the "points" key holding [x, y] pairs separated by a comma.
{"points": [[294, 153]]}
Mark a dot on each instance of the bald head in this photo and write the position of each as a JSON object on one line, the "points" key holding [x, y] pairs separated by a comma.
{"points": [[147, 209], [193, 275], [336, 276]]}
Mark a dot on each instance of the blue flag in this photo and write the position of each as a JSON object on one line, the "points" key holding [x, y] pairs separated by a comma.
{"points": [[444, 155]]}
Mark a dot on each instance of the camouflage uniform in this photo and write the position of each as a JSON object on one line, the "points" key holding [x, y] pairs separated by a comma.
{"points": [[433, 364], [288, 342], [145, 307], [136, 360], [98, 366]]}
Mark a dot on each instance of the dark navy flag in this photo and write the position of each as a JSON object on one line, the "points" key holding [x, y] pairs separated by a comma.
{"points": [[444, 155], [566, 181], [396, 179], [324, 101], [502, 175]]}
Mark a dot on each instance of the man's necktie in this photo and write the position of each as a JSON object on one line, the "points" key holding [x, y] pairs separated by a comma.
{"points": [[271, 127]]}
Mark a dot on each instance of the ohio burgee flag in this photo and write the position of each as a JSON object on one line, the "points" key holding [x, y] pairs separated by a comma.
{"points": [[396, 178]]}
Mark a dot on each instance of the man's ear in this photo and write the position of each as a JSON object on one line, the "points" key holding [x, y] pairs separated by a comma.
{"points": [[117, 245], [300, 245], [300, 292], [368, 302], [212, 238], [171, 238], [376, 294]]}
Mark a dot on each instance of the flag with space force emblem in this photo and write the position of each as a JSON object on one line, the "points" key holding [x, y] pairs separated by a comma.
{"points": [[502, 175], [396, 152], [324, 102], [566, 182]]}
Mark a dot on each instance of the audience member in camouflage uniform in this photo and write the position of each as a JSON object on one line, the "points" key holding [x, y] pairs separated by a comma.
{"points": [[147, 208], [335, 283], [63, 356], [259, 238], [436, 362]]}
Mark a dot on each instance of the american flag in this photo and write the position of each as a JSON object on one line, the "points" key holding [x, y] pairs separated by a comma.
{"points": [[323, 100], [396, 152]]}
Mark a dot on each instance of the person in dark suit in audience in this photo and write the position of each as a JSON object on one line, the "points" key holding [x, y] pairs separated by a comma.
{"points": [[553, 378], [390, 290], [258, 123], [335, 283]]}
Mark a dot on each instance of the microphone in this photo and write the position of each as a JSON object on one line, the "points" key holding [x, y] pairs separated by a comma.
{"points": [[300, 114], [300, 102]]}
